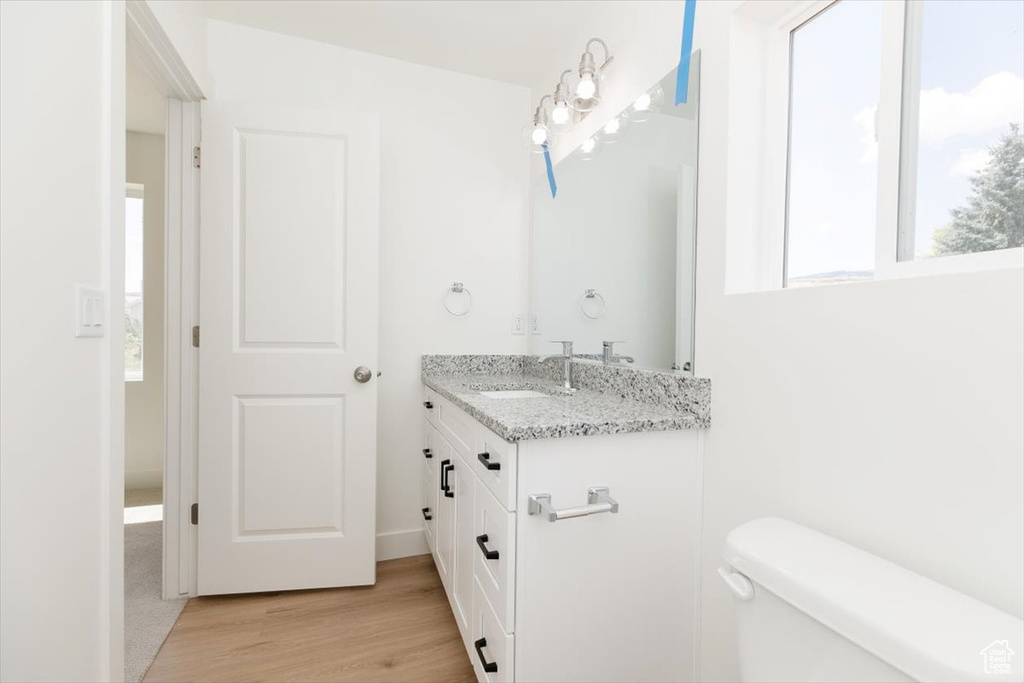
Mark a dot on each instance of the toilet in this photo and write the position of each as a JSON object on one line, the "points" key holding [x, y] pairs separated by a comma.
{"points": [[812, 608]]}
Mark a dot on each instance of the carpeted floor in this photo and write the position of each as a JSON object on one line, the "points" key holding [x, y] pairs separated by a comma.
{"points": [[147, 618]]}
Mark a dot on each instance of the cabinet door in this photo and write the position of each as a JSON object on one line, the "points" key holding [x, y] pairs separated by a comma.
{"points": [[461, 481], [444, 528], [608, 597]]}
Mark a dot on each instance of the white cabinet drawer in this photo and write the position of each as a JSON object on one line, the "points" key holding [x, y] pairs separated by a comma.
{"points": [[493, 648], [494, 461], [430, 405], [429, 448], [456, 426], [494, 557], [429, 509]]}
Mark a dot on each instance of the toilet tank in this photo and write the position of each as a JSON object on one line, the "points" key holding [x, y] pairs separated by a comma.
{"points": [[812, 608]]}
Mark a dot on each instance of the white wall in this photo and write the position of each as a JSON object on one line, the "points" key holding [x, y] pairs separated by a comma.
{"points": [[184, 23], [453, 196], [888, 414], [60, 577], [144, 400]]}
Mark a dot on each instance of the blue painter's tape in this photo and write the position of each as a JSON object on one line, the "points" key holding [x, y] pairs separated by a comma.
{"points": [[683, 72], [551, 171]]}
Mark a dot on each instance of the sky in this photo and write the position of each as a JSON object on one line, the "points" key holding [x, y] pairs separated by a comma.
{"points": [[972, 87]]}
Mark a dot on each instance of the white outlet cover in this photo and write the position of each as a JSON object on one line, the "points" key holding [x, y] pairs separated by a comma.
{"points": [[517, 324], [90, 313], [535, 324]]}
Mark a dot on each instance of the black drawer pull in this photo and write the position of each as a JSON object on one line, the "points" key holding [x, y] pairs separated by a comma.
{"points": [[428, 405], [485, 458], [426, 514], [444, 474], [427, 453], [489, 667], [488, 554], [448, 493]]}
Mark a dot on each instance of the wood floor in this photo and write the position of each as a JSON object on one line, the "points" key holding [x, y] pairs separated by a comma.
{"points": [[401, 629]]}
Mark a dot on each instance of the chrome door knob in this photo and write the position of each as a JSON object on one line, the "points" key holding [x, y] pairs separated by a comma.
{"points": [[362, 374]]}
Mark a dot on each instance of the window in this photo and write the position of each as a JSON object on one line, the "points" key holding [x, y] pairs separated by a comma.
{"points": [[133, 279], [904, 139], [962, 157], [835, 70]]}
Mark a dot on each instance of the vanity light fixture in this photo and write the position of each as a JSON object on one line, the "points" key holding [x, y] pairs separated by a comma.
{"points": [[648, 104], [588, 91], [537, 134], [562, 115]]}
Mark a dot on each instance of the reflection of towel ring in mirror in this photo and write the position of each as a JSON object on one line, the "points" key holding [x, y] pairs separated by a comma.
{"points": [[457, 288], [599, 304]]}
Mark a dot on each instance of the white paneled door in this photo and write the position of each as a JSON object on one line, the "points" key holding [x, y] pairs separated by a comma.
{"points": [[288, 312]]}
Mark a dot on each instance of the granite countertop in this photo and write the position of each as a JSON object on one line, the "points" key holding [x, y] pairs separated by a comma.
{"points": [[583, 413]]}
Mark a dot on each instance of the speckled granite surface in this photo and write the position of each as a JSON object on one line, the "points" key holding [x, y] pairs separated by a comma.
{"points": [[620, 400], [689, 394]]}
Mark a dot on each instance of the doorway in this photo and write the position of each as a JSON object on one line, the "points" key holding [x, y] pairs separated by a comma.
{"points": [[148, 617]]}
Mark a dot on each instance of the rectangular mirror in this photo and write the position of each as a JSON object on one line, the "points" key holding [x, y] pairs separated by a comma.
{"points": [[613, 255]]}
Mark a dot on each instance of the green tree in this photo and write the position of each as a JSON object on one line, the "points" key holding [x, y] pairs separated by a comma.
{"points": [[993, 217]]}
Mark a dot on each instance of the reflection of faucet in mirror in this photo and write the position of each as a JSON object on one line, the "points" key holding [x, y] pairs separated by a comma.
{"points": [[608, 354], [566, 356]]}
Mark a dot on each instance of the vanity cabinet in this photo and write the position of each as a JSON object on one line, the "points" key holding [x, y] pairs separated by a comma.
{"points": [[609, 596]]}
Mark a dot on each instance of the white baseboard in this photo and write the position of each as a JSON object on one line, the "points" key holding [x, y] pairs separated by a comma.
{"points": [[395, 544], [143, 479]]}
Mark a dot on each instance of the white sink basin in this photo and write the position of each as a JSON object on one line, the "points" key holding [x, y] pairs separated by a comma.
{"points": [[515, 393]]}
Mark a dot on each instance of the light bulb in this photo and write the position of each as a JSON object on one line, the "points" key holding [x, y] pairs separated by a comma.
{"points": [[615, 129], [587, 146], [561, 114], [539, 136], [648, 104], [586, 88]]}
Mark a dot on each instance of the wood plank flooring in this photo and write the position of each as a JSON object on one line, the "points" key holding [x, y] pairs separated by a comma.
{"points": [[401, 629]]}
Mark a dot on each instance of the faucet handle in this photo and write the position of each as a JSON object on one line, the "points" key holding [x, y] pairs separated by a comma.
{"points": [[608, 344], [566, 346]]}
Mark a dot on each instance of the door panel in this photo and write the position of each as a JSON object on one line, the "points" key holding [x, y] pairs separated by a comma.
{"points": [[287, 437], [462, 482]]}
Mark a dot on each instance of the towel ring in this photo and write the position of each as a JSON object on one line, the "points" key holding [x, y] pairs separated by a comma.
{"points": [[591, 294], [457, 288]]}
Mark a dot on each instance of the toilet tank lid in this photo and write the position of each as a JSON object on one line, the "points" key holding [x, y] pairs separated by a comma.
{"points": [[921, 627]]}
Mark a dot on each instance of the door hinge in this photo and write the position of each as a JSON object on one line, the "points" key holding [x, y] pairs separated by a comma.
{"points": [[195, 336], [195, 513], [197, 155]]}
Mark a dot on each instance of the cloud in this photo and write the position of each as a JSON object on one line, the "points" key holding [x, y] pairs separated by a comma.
{"points": [[996, 101], [968, 162], [992, 104], [865, 118]]}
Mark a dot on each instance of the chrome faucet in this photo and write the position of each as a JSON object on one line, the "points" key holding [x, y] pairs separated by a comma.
{"points": [[566, 356], [608, 353]]}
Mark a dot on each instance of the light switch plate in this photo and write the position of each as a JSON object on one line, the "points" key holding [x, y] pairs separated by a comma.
{"points": [[90, 312], [518, 326]]}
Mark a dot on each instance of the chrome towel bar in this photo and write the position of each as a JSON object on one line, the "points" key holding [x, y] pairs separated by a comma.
{"points": [[598, 500]]}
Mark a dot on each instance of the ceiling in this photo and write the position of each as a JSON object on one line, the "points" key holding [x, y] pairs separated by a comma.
{"points": [[515, 41], [146, 106]]}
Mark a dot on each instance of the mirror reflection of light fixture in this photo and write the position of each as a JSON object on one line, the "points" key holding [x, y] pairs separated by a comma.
{"points": [[538, 133], [588, 91], [562, 114], [648, 104], [589, 148], [615, 129]]}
